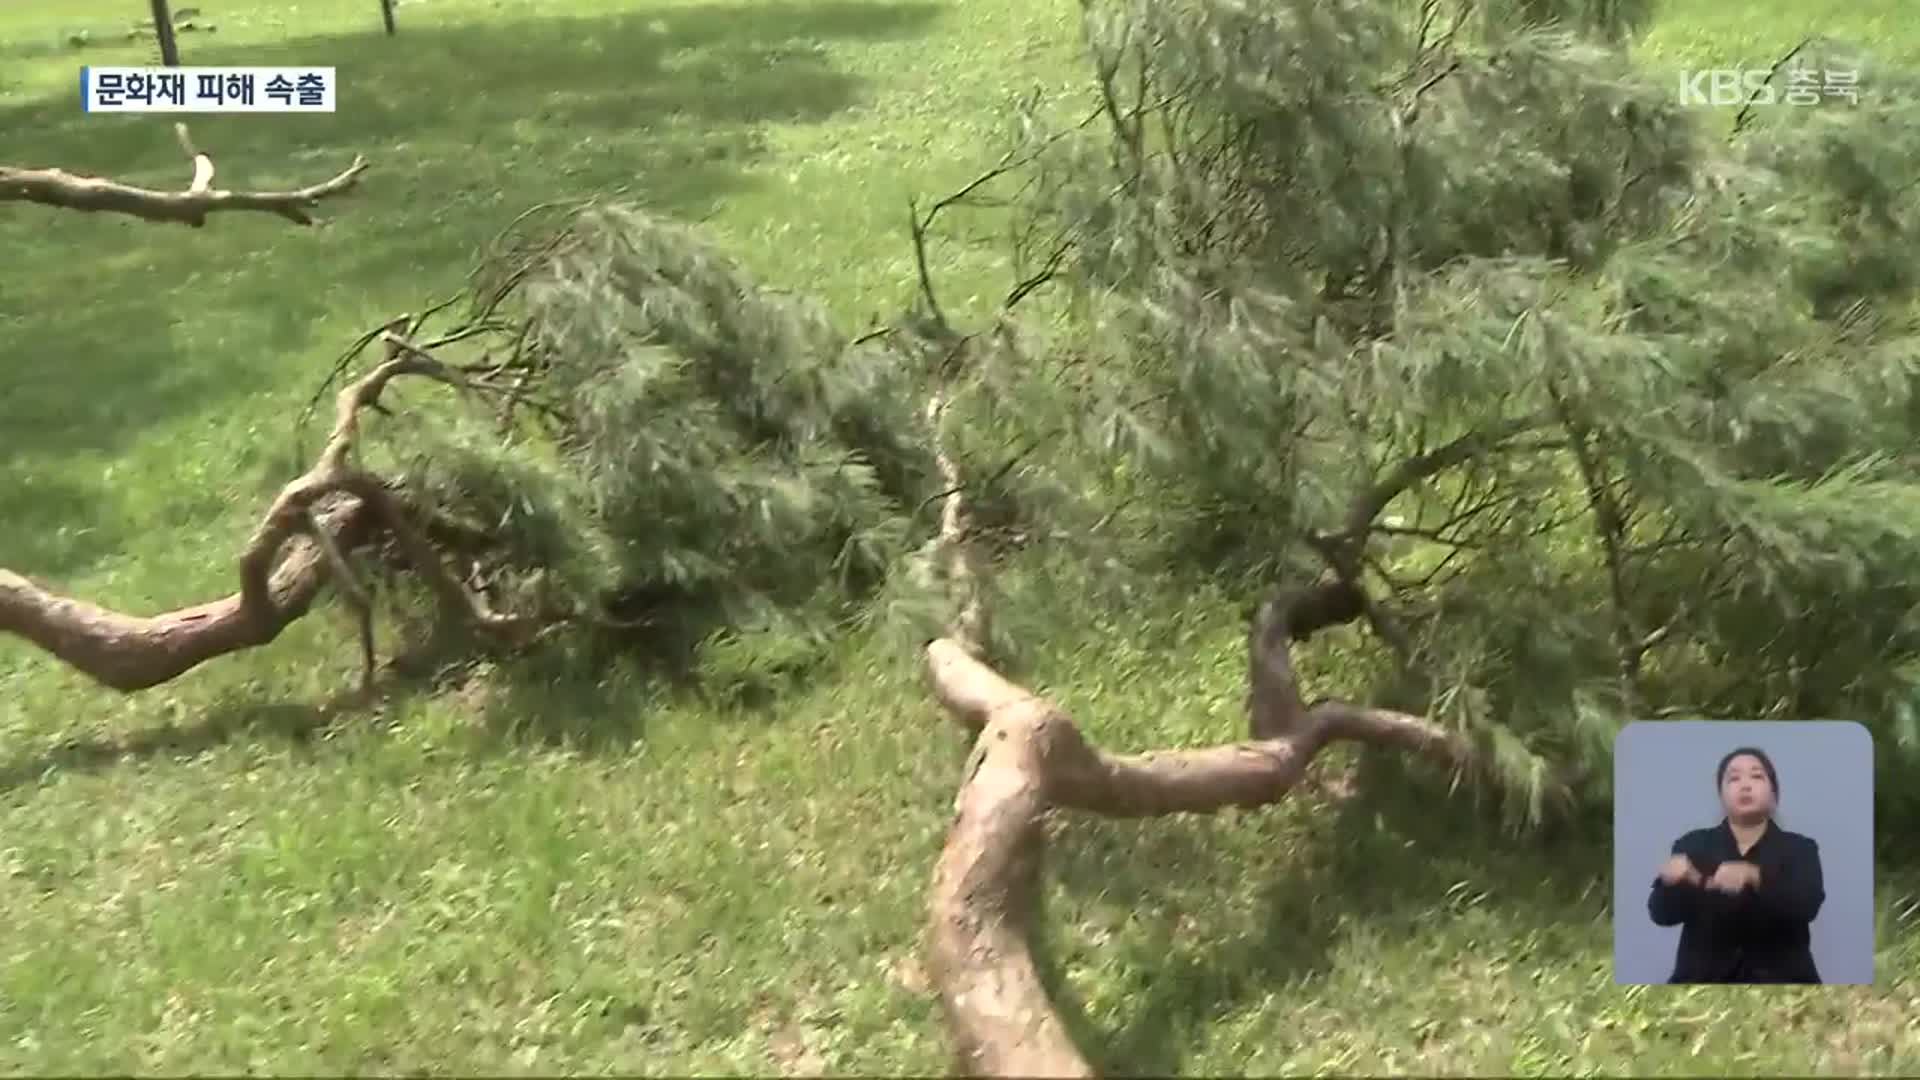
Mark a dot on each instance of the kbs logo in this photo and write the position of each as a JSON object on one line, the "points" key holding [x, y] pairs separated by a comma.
{"points": [[1760, 86]]}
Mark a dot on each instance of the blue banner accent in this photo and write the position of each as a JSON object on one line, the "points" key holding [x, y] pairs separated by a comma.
{"points": [[86, 99]]}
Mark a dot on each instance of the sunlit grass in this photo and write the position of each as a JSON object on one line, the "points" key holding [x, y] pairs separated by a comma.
{"points": [[571, 869]]}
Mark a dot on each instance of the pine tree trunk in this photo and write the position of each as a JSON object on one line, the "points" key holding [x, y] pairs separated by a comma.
{"points": [[163, 30]]}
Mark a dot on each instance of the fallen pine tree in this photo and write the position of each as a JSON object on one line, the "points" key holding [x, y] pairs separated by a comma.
{"points": [[613, 397], [1030, 760], [1472, 338]]}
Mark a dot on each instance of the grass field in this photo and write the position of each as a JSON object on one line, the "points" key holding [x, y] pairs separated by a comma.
{"points": [[565, 868]]}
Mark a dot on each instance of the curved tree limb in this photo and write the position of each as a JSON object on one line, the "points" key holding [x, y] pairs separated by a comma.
{"points": [[311, 525], [281, 569], [954, 555], [57, 187], [1029, 758], [300, 543], [354, 592], [135, 652]]}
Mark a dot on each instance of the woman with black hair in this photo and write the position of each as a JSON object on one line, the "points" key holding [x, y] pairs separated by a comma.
{"points": [[1746, 890]]}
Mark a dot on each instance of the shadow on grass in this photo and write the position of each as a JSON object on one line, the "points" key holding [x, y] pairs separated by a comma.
{"points": [[434, 663], [54, 524], [585, 693], [83, 381], [593, 694], [218, 726], [572, 694], [529, 86], [555, 696], [1390, 857], [113, 325]]}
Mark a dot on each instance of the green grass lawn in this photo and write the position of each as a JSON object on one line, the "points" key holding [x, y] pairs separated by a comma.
{"points": [[565, 868]]}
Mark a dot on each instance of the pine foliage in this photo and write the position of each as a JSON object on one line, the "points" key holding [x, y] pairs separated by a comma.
{"points": [[1615, 413], [705, 452], [1317, 241]]}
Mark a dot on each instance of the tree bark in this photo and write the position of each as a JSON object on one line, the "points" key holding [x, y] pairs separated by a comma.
{"points": [[1029, 759], [132, 652], [163, 31], [129, 652], [58, 188], [386, 15]]}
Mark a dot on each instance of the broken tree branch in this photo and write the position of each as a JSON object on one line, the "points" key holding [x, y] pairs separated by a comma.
{"points": [[956, 559], [355, 593], [282, 567], [72, 191], [1029, 758], [133, 652], [1412, 470]]}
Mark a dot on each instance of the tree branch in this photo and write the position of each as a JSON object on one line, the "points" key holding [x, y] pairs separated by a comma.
{"points": [[1610, 530], [1029, 758], [281, 568], [72, 191], [954, 556], [1741, 118], [132, 652], [355, 593], [1412, 470]]}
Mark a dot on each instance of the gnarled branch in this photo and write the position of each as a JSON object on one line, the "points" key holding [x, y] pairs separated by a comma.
{"points": [[135, 652], [1030, 758], [72, 191], [281, 569]]}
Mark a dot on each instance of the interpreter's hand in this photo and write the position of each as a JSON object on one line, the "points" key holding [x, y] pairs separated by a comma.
{"points": [[1679, 869], [1731, 877]]}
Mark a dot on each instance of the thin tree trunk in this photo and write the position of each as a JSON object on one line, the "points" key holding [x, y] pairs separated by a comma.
{"points": [[386, 13], [163, 29]]}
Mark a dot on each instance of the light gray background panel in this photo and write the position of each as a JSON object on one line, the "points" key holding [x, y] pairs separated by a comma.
{"points": [[1664, 786]]}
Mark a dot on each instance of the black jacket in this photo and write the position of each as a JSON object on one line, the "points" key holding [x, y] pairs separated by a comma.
{"points": [[1754, 936]]}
